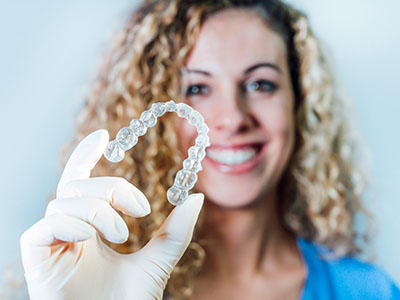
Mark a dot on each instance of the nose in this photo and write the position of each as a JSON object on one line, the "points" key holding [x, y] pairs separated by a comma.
{"points": [[232, 114]]}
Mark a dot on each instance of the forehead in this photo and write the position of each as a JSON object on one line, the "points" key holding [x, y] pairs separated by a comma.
{"points": [[233, 39]]}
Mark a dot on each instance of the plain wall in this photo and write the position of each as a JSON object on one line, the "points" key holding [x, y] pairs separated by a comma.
{"points": [[50, 51]]}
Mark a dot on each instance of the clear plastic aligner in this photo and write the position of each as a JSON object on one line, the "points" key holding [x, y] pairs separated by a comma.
{"points": [[127, 138]]}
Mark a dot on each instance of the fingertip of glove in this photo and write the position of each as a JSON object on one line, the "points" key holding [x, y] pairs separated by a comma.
{"points": [[98, 137], [198, 196], [195, 200], [101, 134]]}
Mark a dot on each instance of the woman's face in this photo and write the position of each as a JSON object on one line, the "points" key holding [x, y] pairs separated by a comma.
{"points": [[239, 81]]}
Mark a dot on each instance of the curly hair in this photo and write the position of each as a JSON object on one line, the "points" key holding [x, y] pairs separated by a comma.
{"points": [[321, 187]]}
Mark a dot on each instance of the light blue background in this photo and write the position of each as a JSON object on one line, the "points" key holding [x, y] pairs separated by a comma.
{"points": [[50, 51]]}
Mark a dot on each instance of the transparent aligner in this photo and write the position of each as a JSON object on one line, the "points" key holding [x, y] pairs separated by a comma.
{"points": [[197, 153], [183, 110], [196, 119], [148, 118], [170, 106], [192, 165], [176, 195], [138, 127], [159, 109], [185, 179], [127, 138], [202, 128], [202, 140], [113, 152]]}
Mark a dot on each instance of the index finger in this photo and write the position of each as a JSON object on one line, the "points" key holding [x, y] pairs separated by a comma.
{"points": [[84, 157]]}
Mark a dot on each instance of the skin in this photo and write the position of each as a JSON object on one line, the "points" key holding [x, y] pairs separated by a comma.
{"points": [[249, 254]]}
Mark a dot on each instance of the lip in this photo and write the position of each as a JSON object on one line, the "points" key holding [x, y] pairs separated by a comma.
{"points": [[239, 168], [234, 146]]}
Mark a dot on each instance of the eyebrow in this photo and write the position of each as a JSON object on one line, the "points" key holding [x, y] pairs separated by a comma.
{"points": [[248, 70], [268, 65]]}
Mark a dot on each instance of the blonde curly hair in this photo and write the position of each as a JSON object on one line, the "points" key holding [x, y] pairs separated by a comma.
{"points": [[321, 187]]}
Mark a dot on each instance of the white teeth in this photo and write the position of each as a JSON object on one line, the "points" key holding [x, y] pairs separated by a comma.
{"points": [[231, 157]]}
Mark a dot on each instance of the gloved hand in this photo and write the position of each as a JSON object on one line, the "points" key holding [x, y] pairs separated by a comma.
{"points": [[63, 255]]}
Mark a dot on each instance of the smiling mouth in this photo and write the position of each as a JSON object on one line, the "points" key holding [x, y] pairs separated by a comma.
{"points": [[234, 156]]}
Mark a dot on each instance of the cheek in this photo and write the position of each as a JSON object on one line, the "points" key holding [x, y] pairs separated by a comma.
{"points": [[276, 119], [278, 124]]}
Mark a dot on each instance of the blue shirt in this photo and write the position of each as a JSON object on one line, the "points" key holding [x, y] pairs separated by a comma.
{"points": [[344, 278]]}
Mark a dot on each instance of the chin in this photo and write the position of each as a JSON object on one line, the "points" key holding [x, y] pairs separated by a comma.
{"points": [[235, 205], [230, 200]]}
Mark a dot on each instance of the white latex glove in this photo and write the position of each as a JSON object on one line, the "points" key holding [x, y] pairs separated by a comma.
{"points": [[63, 255]]}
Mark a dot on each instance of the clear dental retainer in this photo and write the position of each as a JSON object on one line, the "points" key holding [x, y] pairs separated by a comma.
{"points": [[127, 138]]}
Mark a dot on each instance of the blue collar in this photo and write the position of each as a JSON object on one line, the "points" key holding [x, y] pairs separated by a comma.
{"points": [[301, 245]]}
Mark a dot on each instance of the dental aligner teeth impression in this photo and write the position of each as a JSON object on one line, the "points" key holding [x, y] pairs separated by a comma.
{"points": [[127, 138]]}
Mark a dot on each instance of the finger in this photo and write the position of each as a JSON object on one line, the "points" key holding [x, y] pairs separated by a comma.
{"points": [[36, 242], [171, 240], [95, 212], [117, 191], [84, 157]]}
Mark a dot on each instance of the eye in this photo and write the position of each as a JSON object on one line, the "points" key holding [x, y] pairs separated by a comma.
{"points": [[262, 86], [196, 89]]}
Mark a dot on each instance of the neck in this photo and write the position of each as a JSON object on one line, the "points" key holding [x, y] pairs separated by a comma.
{"points": [[242, 243]]}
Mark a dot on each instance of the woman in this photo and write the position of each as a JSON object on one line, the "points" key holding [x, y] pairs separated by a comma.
{"points": [[279, 184]]}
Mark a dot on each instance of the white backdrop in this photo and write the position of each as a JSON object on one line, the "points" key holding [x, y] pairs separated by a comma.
{"points": [[49, 53]]}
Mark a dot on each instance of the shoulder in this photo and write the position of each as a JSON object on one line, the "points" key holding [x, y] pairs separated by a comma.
{"points": [[362, 279], [347, 277]]}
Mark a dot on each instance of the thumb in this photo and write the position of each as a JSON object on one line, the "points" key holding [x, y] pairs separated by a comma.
{"points": [[170, 242]]}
